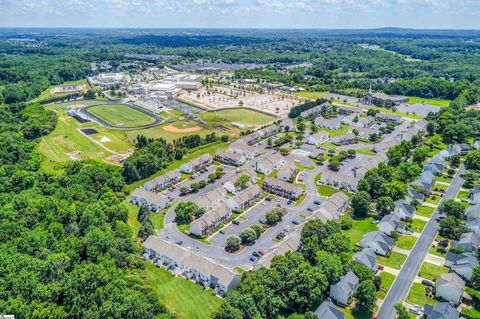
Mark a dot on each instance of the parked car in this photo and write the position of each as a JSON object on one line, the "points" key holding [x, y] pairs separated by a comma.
{"points": [[408, 231], [191, 177], [416, 309], [261, 252], [295, 222], [380, 267], [236, 222], [426, 282], [222, 232], [253, 259], [316, 202], [268, 199], [289, 202], [255, 254], [179, 242], [310, 209], [262, 221]]}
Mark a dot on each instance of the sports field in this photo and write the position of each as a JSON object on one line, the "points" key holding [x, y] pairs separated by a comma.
{"points": [[120, 115], [243, 116]]}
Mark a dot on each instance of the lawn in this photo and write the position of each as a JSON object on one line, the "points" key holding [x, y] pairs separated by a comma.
{"points": [[437, 251], [387, 282], [417, 225], [343, 130], [440, 187], [425, 211], [406, 242], [433, 199], [246, 117], [463, 195], [435, 102], [365, 151], [310, 95], [325, 190], [395, 260], [417, 295], [360, 227], [132, 217], [182, 297], [444, 178], [430, 271], [386, 111], [120, 115]]}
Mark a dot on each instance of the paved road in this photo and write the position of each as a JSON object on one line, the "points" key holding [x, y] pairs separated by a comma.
{"points": [[399, 290]]}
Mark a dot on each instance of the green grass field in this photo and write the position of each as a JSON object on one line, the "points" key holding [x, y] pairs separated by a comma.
{"points": [[440, 187], [395, 260], [406, 242], [182, 297], [430, 271], [435, 102], [360, 227], [437, 251], [417, 295], [433, 199], [310, 95], [47, 94], [417, 225], [121, 115], [246, 117], [463, 195], [387, 281]]}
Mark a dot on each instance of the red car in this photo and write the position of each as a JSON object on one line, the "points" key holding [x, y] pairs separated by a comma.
{"points": [[261, 252], [191, 177]]}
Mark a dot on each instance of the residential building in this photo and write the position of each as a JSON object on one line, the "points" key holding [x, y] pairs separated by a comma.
{"points": [[389, 118], [245, 198], [449, 287], [318, 138], [248, 151], [349, 119], [269, 164], [332, 208], [346, 110], [391, 223], [331, 124], [462, 264], [288, 172], [212, 199], [367, 258], [476, 145], [414, 194], [436, 165], [290, 243], [345, 139], [196, 164], [339, 181], [385, 145], [153, 201], [268, 131], [165, 254], [328, 310], [475, 195], [230, 158], [462, 148], [364, 133], [468, 242], [163, 181], [425, 180], [378, 241], [281, 188], [251, 138], [343, 291], [365, 122], [315, 110], [210, 220], [404, 210], [287, 124], [441, 310]]}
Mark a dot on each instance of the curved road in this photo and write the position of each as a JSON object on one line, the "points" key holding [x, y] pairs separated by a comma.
{"points": [[399, 290]]}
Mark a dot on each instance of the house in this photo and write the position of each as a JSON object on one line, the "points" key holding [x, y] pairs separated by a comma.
{"points": [[462, 148], [441, 310], [414, 194], [436, 165], [475, 195], [230, 158], [391, 223], [163, 181], [385, 145], [388, 118], [196, 164], [345, 110], [365, 122], [210, 220], [248, 151], [425, 180], [345, 288], [462, 264], [290, 243], [318, 138], [331, 124], [281, 188], [332, 208], [153, 201], [212, 199], [364, 133], [449, 287], [268, 131], [251, 138], [473, 224], [404, 210], [468, 242], [472, 213], [339, 181], [378, 241], [288, 172], [367, 258], [245, 198], [328, 310], [165, 254], [349, 119], [287, 124], [315, 110], [345, 139], [269, 164]]}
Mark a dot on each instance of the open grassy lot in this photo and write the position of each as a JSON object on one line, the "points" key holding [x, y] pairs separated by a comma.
{"points": [[325, 190], [386, 111], [425, 211], [417, 295], [360, 227], [120, 115], [417, 225], [343, 130], [406, 242], [365, 151], [246, 117], [160, 131], [182, 297], [132, 217], [310, 95], [387, 281], [430, 271], [436, 102], [395, 260], [473, 312]]}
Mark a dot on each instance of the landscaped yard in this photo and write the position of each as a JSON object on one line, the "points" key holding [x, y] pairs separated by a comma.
{"points": [[433, 199], [395, 260], [440, 187], [444, 178], [417, 225], [387, 281], [325, 190], [417, 295], [463, 195], [430, 271], [182, 297], [360, 227], [438, 251], [121, 115], [406, 242], [425, 211]]}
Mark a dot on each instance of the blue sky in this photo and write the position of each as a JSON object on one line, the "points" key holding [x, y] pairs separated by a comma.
{"points": [[448, 14]]}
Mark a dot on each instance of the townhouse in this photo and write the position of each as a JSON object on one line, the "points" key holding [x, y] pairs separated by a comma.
{"points": [[212, 199], [365, 122], [331, 124], [230, 158], [449, 287], [404, 210], [339, 181], [332, 208], [210, 220], [248, 151], [461, 263], [288, 172], [388, 118], [281, 188], [345, 110], [269, 164], [345, 139], [287, 124], [196, 164], [268, 131], [364, 133], [245, 198], [153, 201], [380, 243], [163, 181], [391, 223], [343, 291], [318, 138], [436, 165], [315, 110], [367, 258]]}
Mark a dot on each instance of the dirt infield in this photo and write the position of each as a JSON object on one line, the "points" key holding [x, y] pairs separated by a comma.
{"points": [[173, 129]]}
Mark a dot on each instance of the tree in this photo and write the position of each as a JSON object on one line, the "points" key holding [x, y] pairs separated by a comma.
{"points": [[395, 190], [183, 190], [361, 204], [455, 160], [451, 228], [274, 216], [402, 312], [143, 213], [212, 177], [334, 164], [257, 229], [351, 153], [452, 208], [185, 211], [146, 228], [475, 281], [355, 131], [242, 182], [366, 295], [363, 272], [472, 161], [233, 242], [377, 281], [420, 154], [470, 177], [385, 205], [248, 236], [331, 266]]}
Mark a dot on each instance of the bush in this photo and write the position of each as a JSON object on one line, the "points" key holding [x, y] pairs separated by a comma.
{"points": [[233, 243], [346, 224]]}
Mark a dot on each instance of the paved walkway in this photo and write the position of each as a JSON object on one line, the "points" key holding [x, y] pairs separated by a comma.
{"points": [[422, 218], [392, 271], [399, 290], [429, 205], [434, 259], [401, 250]]}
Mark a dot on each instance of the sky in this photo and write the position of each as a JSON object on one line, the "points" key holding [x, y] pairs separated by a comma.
{"points": [[352, 14]]}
